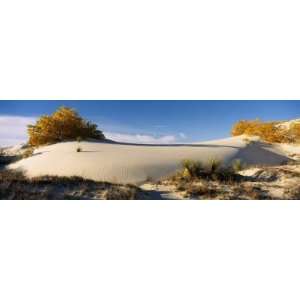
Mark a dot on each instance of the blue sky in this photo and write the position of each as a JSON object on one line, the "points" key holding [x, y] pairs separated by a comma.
{"points": [[148, 121]]}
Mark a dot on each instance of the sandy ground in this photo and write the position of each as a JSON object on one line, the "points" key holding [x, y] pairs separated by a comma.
{"points": [[272, 182], [135, 163]]}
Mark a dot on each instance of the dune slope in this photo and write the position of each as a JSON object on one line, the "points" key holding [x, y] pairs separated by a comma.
{"points": [[135, 163]]}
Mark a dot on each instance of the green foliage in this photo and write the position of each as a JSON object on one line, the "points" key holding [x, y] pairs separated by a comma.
{"points": [[64, 124]]}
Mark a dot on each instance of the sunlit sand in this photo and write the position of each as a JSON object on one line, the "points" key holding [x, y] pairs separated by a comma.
{"points": [[136, 163]]}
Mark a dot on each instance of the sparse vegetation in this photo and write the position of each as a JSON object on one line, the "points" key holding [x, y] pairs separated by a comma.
{"points": [[270, 132], [121, 192], [64, 124], [293, 193], [213, 165], [226, 183], [213, 170], [237, 165], [191, 168], [28, 152], [15, 185]]}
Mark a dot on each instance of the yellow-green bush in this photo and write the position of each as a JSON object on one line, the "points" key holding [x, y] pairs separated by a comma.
{"points": [[64, 124], [267, 131]]}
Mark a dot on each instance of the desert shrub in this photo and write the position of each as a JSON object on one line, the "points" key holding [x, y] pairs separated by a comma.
{"points": [[28, 153], [64, 124], [15, 185], [191, 168], [118, 192], [194, 171], [78, 149], [213, 165], [293, 193], [253, 193], [237, 165], [196, 190], [267, 131], [294, 133]]}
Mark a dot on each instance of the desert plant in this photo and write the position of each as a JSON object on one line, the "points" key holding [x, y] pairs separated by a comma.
{"points": [[120, 192], [78, 149], [237, 165], [267, 131], [15, 185], [28, 153], [191, 168], [79, 139], [213, 165], [64, 124], [292, 193], [294, 133]]}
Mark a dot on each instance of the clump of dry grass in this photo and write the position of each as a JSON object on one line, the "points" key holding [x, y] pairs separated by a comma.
{"points": [[121, 192], [15, 185], [213, 165], [203, 190], [250, 192], [191, 169], [237, 165], [215, 181], [28, 152], [293, 193]]}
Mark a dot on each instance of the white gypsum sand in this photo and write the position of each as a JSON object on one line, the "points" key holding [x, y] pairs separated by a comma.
{"points": [[136, 163]]}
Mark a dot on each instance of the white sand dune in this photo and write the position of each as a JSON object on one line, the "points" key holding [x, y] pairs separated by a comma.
{"points": [[135, 163]]}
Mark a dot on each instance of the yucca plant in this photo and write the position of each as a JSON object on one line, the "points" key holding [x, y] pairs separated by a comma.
{"points": [[191, 168], [237, 165], [213, 165]]}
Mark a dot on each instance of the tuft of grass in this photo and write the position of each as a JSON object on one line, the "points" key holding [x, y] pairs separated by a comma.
{"points": [[194, 191], [191, 169], [293, 193], [78, 149], [15, 185], [28, 153], [237, 165], [119, 192], [213, 165]]}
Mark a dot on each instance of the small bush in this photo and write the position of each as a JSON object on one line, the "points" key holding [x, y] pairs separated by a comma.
{"points": [[237, 165], [79, 139], [28, 153], [78, 149], [127, 192], [195, 191], [15, 185], [213, 165], [293, 193], [191, 168]]}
